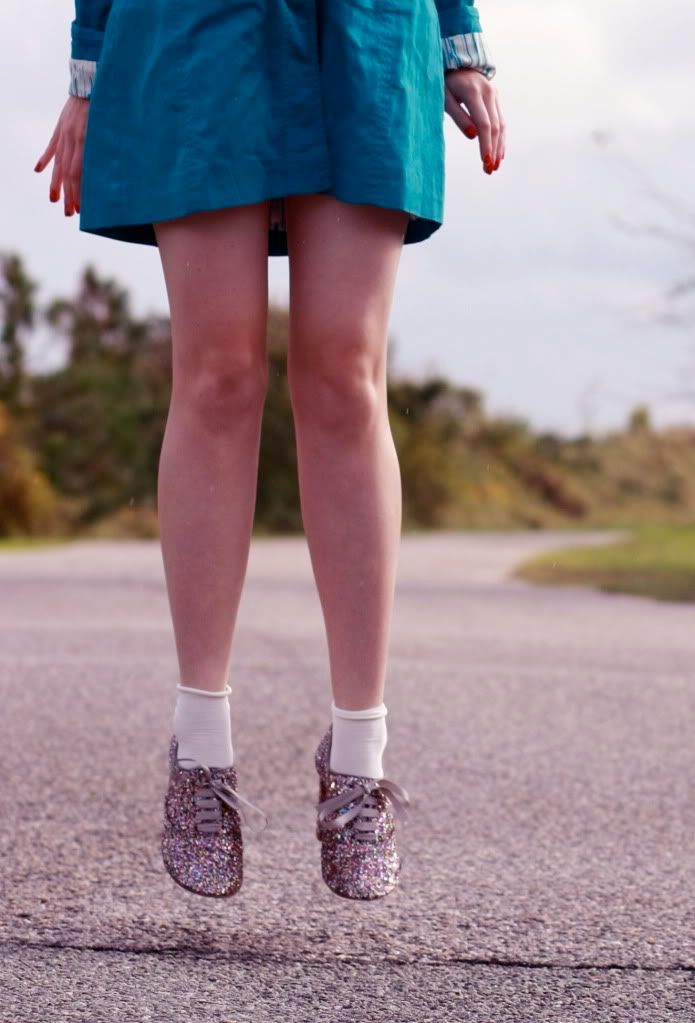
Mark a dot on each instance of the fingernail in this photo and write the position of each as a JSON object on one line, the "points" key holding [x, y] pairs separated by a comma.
{"points": [[471, 133]]}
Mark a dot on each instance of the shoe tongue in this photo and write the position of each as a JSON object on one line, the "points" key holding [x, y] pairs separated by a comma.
{"points": [[355, 779]]}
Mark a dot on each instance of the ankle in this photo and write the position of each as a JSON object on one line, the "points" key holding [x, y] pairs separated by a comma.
{"points": [[358, 741], [203, 727]]}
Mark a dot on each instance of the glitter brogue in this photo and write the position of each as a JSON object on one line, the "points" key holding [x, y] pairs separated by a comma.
{"points": [[356, 825], [201, 841]]}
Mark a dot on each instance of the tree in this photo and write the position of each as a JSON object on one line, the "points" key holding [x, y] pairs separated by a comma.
{"points": [[673, 310], [639, 420], [98, 421], [98, 322], [17, 308], [28, 503]]}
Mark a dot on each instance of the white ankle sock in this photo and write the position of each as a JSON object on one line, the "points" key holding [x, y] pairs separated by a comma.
{"points": [[203, 726], [358, 741]]}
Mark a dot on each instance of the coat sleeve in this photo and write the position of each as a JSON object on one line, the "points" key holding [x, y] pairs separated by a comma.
{"points": [[463, 43], [86, 36]]}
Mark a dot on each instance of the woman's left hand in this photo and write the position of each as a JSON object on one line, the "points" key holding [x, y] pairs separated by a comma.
{"points": [[483, 115]]}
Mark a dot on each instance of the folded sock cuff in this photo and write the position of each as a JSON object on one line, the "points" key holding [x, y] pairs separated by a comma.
{"points": [[370, 712], [204, 692]]}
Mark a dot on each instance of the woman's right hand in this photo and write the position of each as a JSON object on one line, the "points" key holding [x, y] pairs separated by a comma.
{"points": [[67, 145]]}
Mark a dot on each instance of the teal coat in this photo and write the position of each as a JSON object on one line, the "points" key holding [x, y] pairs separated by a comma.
{"points": [[204, 104]]}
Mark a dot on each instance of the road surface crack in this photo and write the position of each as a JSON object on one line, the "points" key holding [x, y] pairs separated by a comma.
{"points": [[311, 958]]}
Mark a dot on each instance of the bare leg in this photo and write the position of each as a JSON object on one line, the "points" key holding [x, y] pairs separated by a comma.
{"points": [[216, 273], [343, 264]]}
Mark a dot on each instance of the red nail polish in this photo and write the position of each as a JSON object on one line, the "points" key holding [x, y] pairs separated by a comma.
{"points": [[471, 133]]}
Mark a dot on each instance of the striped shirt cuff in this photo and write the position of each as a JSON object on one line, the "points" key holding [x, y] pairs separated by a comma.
{"points": [[468, 50], [82, 75]]}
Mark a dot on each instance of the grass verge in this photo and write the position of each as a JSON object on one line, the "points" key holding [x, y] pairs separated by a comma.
{"points": [[21, 543], [656, 561]]}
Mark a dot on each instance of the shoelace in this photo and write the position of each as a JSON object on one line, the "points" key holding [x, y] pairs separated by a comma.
{"points": [[364, 815], [208, 796]]}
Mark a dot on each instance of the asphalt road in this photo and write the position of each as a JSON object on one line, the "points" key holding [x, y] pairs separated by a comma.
{"points": [[547, 738]]}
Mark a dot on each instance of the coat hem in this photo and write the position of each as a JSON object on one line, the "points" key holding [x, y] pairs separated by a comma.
{"points": [[424, 219]]}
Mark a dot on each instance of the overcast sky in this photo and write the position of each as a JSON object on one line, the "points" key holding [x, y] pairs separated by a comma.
{"points": [[531, 291]]}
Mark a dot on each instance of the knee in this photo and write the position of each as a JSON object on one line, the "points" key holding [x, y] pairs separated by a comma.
{"points": [[221, 389], [336, 386]]}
